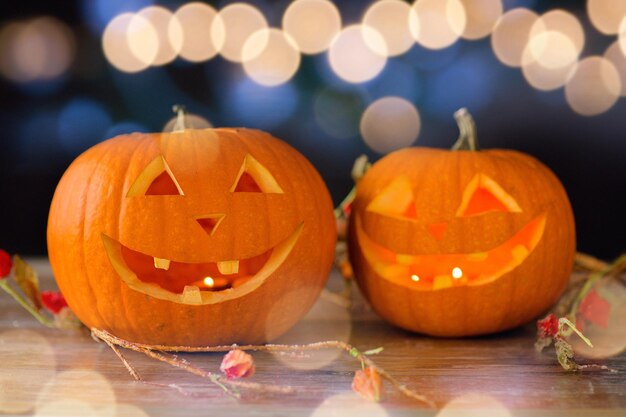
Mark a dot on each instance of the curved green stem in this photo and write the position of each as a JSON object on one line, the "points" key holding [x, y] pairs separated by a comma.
{"points": [[467, 131], [36, 314]]}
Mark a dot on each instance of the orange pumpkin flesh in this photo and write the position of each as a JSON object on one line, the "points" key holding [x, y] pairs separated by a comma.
{"points": [[192, 237], [457, 243]]}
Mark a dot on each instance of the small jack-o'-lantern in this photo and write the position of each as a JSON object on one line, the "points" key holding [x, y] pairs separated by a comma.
{"points": [[191, 237], [461, 242]]}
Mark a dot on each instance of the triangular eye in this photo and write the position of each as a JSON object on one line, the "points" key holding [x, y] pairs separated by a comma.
{"points": [[483, 195], [156, 179], [395, 200], [254, 178]]}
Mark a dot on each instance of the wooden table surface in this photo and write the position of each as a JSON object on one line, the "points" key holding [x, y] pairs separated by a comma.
{"points": [[49, 372]]}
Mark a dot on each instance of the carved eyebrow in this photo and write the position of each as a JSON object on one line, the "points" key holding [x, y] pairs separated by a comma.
{"points": [[482, 194], [395, 200], [156, 179], [254, 177]]}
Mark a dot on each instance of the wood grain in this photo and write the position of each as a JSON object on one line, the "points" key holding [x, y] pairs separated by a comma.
{"points": [[43, 370]]}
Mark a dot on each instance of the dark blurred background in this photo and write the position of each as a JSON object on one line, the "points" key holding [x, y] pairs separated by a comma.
{"points": [[59, 95]]}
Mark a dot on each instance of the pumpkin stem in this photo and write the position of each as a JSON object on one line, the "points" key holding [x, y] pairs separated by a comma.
{"points": [[179, 126], [467, 128]]}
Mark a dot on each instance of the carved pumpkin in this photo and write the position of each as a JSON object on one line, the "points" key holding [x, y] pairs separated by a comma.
{"points": [[191, 237], [461, 242]]}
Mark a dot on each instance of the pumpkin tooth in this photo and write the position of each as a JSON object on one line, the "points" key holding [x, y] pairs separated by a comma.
{"points": [[161, 263], [191, 295], [228, 267]]}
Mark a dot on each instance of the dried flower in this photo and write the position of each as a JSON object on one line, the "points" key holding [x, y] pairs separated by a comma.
{"points": [[237, 364], [548, 327], [6, 264], [367, 384], [53, 301]]}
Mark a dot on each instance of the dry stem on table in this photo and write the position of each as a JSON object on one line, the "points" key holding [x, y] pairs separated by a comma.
{"points": [[152, 351]]}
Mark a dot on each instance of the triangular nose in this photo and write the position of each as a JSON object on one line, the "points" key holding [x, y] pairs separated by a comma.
{"points": [[437, 230], [210, 222]]}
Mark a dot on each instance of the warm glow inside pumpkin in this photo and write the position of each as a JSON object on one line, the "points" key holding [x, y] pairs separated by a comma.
{"points": [[460, 242], [433, 272], [197, 283], [191, 237]]}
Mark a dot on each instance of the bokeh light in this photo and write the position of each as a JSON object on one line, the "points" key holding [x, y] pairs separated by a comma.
{"points": [[390, 123], [192, 121], [338, 113], [473, 405], [549, 60], [312, 24], [277, 61], [606, 15], [40, 49], [437, 24], [160, 19], [565, 24], [594, 87], [551, 50], [143, 39], [511, 35], [70, 408], [190, 32], [349, 404], [116, 45], [232, 27], [352, 57], [28, 363], [481, 17], [325, 321], [77, 385], [622, 35], [615, 55], [390, 18], [82, 123], [608, 338]]}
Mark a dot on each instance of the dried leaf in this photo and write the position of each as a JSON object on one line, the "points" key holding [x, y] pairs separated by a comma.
{"points": [[565, 355], [374, 351], [27, 279], [563, 322]]}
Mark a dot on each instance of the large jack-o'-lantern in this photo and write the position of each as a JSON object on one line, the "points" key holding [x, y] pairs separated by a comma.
{"points": [[461, 242], [191, 237]]}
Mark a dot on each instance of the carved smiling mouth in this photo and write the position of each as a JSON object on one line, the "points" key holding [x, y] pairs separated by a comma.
{"points": [[439, 271], [196, 283]]}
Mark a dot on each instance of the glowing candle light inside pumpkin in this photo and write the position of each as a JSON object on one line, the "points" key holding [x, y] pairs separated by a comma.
{"points": [[415, 278], [209, 282], [457, 272]]}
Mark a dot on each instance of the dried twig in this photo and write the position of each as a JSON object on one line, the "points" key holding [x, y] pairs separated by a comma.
{"points": [[153, 351], [156, 352]]}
